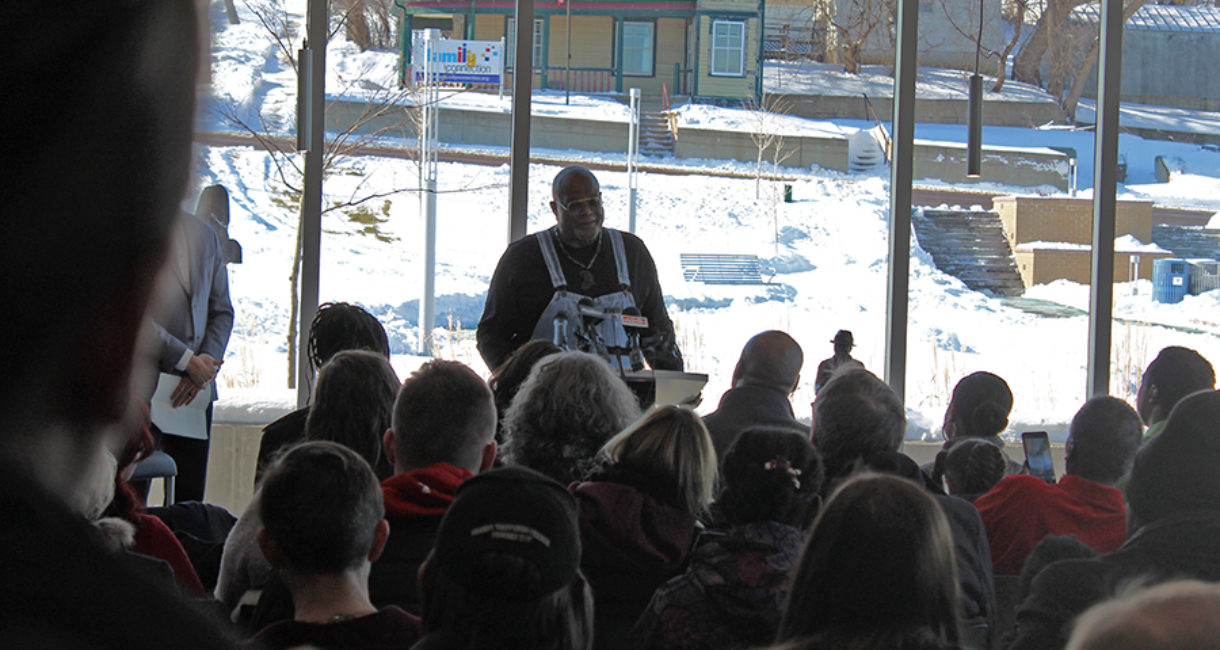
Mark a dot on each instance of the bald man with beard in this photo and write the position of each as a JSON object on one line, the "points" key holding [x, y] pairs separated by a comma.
{"points": [[766, 375]]}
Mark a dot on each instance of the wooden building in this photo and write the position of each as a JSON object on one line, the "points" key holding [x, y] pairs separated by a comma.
{"points": [[708, 49]]}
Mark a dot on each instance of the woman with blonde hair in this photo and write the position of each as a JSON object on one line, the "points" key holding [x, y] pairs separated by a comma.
{"points": [[878, 572], [639, 514]]}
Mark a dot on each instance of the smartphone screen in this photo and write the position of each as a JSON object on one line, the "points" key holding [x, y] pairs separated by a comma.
{"points": [[1038, 455]]}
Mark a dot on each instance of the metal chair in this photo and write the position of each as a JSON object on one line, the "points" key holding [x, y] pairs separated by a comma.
{"points": [[158, 465]]}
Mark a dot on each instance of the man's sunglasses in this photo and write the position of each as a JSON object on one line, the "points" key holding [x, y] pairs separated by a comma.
{"points": [[593, 202]]}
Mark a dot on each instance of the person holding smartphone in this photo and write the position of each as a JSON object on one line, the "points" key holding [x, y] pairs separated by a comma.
{"points": [[1022, 509]]}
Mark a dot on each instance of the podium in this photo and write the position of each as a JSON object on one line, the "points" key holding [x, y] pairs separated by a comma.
{"points": [[665, 386]]}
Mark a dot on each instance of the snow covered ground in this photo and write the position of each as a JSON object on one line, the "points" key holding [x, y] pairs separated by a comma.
{"points": [[828, 249]]}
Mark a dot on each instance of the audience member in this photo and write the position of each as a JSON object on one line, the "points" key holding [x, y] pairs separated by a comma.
{"points": [[352, 405], [99, 110], [979, 408], [568, 407], [443, 433], [152, 537], [768, 371], [1175, 373], [639, 514], [733, 591], [970, 466], [322, 527], [505, 574], [1173, 512], [859, 423], [843, 342], [1022, 509], [1179, 615], [507, 378], [337, 326], [876, 573]]}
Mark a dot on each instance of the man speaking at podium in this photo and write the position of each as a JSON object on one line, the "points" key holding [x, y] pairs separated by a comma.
{"points": [[579, 285]]}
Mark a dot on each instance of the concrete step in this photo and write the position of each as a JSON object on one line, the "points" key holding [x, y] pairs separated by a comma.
{"points": [[1188, 242], [971, 247]]}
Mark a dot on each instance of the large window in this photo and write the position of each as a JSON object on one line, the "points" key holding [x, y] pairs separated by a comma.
{"points": [[511, 38], [728, 48], [637, 49]]}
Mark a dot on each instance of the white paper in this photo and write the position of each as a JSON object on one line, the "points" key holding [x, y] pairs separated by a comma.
{"points": [[188, 420]]}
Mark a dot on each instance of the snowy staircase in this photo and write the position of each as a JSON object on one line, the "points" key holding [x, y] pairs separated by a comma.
{"points": [[1189, 243], [656, 139], [971, 247]]}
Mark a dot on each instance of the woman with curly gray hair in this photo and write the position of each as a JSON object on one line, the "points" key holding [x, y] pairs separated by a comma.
{"points": [[570, 405]]}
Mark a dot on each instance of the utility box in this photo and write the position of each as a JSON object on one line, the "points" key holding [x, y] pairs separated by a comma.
{"points": [[1170, 280], [1204, 275]]}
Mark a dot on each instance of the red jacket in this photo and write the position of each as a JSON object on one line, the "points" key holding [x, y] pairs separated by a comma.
{"points": [[155, 539], [1021, 510]]}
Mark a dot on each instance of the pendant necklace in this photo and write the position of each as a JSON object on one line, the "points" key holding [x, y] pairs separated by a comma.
{"points": [[586, 273]]}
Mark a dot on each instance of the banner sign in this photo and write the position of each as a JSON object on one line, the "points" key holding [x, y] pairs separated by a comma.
{"points": [[454, 61]]}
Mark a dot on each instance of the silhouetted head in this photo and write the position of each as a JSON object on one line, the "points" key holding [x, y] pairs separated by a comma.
{"points": [[339, 326], [771, 359], [1175, 373], [1102, 441], [979, 407], [443, 414]]}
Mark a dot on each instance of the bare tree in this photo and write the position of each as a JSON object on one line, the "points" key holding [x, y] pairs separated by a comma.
{"points": [[370, 23], [767, 133], [384, 110], [1015, 14], [1081, 76], [854, 22]]}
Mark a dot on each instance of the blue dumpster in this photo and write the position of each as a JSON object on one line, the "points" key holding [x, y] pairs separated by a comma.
{"points": [[1169, 280]]}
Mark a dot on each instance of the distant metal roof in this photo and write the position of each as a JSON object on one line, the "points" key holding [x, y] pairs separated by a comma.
{"points": [[1161, 18]]}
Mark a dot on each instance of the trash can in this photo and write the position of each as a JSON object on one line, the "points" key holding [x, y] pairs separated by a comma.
{"points": [[1170, 280], [787, 193]]}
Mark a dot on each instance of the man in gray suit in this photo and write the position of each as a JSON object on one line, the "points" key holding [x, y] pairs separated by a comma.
{"points": [[193, 324]]}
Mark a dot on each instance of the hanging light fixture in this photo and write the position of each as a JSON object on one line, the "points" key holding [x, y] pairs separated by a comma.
{"points": [[974, 128]]}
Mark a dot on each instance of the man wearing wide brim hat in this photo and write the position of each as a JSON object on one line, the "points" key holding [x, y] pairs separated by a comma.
{"points": [[843, 342]]}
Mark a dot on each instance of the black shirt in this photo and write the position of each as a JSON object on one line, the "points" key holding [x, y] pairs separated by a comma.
{"points": [[521, 289]]}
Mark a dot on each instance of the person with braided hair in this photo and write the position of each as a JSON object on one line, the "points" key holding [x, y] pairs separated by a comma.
{"points": [[733, 592], [336, 327], [970, 467]]}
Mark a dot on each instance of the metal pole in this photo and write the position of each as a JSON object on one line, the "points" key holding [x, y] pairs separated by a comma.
{"points": [[633, 158], [1105, 178], [428, 172], [519, 154], [311, 198], [900, 196], [567, 68]]}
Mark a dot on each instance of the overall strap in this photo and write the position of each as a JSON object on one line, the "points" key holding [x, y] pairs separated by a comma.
{"points": [[620, 258], [558, 281]]}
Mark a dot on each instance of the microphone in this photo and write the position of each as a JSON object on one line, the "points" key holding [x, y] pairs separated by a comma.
{"points": [[631, 317], [590, 316], [560, 323]]}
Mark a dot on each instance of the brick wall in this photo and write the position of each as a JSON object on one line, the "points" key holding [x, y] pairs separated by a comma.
{"points": [[1042, 266], [1065, 219]]}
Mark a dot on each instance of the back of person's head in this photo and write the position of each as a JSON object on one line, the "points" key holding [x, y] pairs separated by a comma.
{"points": [[979, 407], [770, 475], [1102, 441], [1175, 373], [878, 566], [353, 403], [444, 414], [505, 571], [1048, 551], [671, 444], [568, 407], [320, 505], [1179, 615], [213, 204], [507, 378], [772, 359], [973, 466], [856, 415], [1176, 471], [339, 326], [100, 110]]}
